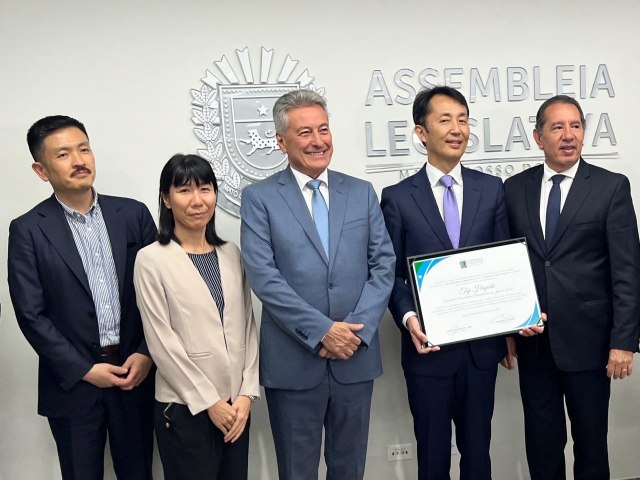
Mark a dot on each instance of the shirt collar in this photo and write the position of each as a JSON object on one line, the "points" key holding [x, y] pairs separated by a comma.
{"points": [[435, 174], [303, 179], [70, 212], [547, 172]]}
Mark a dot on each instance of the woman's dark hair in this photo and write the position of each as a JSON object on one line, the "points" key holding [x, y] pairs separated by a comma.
{"points": [[178, 171]]}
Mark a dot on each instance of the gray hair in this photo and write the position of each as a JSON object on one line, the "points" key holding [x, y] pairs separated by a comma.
{"points": [[291, 100]]}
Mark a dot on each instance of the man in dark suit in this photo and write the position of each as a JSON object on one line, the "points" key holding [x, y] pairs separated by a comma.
{"points": [[454, 382], [586, 266], [318, 256], [71, 283]]}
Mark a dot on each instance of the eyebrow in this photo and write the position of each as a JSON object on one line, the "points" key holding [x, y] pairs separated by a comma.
{"points": [[69, 145], [306, 127], [450, 114]]}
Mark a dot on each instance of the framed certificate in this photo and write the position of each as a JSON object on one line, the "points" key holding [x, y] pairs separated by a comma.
{"points": [[475, 292]]}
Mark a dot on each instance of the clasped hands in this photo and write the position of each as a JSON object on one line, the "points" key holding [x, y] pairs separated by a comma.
{"points": [[341, 341], [132, 372], [231, 419]]}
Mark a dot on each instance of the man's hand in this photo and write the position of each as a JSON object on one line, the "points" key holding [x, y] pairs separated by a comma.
{"points": [[222, 415], [324, 353], [620, 364], [509, 361], [418, 338], [105, 375], [341, 341], [242, 405], [532, 331], [138, 366]]}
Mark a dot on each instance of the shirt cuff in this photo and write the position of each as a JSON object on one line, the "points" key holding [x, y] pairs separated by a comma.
{"points": [[406, 317]]}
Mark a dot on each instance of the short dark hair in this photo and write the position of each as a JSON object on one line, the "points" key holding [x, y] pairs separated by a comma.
{"points": [[540, 119], [45, 127], [421, 107], [180, 170]]}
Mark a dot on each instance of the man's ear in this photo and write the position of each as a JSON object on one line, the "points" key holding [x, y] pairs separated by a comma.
{"points": [[538, 138], [40, 170], [281, 143], [420, 132]]}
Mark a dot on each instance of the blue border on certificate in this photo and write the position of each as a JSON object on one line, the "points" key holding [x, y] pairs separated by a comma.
{"points": [[420, 265]]}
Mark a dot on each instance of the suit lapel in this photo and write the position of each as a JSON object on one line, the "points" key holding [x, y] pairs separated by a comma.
{"points": [[471, 200], [197, 285], [423, 195], [55, 228], [117, 236], [337, 210], [292, 195], [532, 198], [577, 194]]}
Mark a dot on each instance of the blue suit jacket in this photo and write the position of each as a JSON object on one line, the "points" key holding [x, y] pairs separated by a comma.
{"points": [[53, 303], [416, 227], [302, 291]]}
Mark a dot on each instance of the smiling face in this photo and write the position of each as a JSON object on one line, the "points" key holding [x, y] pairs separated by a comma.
{"points": [[307, 141], [561, 136], [66, 161], [445, 133], [192, 205]]}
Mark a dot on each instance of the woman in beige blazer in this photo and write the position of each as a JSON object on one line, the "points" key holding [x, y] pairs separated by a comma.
{"points": [[198, 322]]}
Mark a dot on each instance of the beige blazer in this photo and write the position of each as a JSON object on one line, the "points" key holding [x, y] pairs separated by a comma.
{"points": [[199, 360]]}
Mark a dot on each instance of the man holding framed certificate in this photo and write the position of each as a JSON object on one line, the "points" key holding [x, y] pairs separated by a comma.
{"points": [[583, 241], [443, 207]]}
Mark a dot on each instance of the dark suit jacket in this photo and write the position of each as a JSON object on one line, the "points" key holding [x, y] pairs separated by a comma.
{"points": [[588, 279], [53, 303], [302, 291], [416, 227]]}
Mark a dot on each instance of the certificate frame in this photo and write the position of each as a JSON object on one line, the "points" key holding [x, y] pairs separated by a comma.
{"points": [[421, 266]]}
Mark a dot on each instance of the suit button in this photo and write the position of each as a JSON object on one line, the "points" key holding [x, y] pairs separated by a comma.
{"points": [[330, 286], [547, 263]]}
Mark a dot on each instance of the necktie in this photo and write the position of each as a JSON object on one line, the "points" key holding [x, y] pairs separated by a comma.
{"points": [[320, 213], [450, 211], [553, 208]]}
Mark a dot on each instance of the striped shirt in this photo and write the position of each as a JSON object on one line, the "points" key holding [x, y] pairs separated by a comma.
{"points": [[209, 269], [92, 241]]}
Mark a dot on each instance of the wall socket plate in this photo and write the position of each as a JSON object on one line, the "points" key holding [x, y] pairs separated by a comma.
{"points": [[402, 451]]}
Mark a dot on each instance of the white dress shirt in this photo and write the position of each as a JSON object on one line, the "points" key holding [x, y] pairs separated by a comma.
{"points": [[307, 192], [434, 175], [545, 189]]}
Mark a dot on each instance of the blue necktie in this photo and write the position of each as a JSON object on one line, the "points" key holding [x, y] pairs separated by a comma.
{"points": [[320, 213], [450, 211], [553, 209]]}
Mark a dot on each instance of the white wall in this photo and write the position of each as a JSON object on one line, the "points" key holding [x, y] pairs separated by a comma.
{"points": [[126, 69]]}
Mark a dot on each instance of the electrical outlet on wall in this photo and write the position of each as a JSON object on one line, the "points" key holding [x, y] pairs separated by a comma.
{"points": [[399, 452]]}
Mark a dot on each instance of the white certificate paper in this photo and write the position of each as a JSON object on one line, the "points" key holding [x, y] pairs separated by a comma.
{"points": [[474, 293]]}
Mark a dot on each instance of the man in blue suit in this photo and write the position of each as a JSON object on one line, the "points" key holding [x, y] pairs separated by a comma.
{"points": [[318, 256], [71, 283], [442, 207]]}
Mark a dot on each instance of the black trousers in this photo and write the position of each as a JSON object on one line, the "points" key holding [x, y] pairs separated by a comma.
{"points": [[467, 398], [545, 390], [127, 418], [192, 448]]}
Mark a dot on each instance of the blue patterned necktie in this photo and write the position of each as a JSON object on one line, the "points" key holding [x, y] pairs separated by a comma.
{"points": [[320, 213], [450, 211], [553, 208]]}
